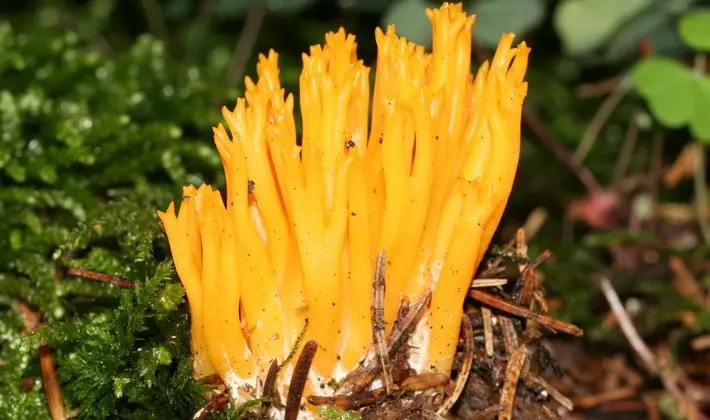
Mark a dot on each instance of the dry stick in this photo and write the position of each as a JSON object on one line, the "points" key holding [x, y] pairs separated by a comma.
{"points": [[424, 381], [536, 219], [465, 369], [359, 379], [218, 403], [589, 401], [600, 118], [487, 329], [245, 43], [525, 285], [641, 349], [32, 322], [701, 194], [582, 173], [512, 376], [377, 313], [512, 309], [488, 413], [102, 277], [603, 87], [298, 380], [50, 383], [510, 337], [350, 402], [269, 383], [563, 400], [489, 282], [627, 150]]}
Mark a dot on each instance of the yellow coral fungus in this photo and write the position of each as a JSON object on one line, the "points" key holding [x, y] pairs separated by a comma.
{"points": [[425, 178]]}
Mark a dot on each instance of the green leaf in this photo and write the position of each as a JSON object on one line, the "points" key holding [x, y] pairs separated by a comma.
{"points": [[494, 17], [584, 25], [669, 89], [653, 76], [694, 28], [410, 20], [700, 123]]}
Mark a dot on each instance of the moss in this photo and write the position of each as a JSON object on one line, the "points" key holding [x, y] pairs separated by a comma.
{"points": [[89, 147]]}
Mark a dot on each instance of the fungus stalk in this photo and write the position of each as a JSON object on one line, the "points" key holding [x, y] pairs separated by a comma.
{"points": [[424, 178]]}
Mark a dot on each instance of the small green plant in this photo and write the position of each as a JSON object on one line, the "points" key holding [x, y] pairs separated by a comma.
{"points": [[679, 95]]}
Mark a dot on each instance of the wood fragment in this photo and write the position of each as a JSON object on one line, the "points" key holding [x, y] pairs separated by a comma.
{"points": [[298, 380], [465, 370], [360, 378], [378, 321], [50, 383], [668, 378], [489, 282], [554, 393], [487, 330], [525, 285], [541, 301], [684, 281], [268, 392], [424, 381], [516, 310], [510, 337], [350, 402], [102, 277], [536, 219], [488, 413], [512, 376], [31, 321], [218, 403], [589, 401]]}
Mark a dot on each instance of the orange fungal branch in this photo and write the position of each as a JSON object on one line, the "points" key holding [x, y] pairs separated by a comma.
{"points": [[425, 177]]}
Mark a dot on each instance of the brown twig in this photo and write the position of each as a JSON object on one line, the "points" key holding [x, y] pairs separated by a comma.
{"points": [[536, 219], [488, 413], [50, 383], [298, 380], [360, 378], [512, 376], [639, 346], [217, 403], [603, 87], [510, 337], [462, 377], [525, 284], [600, 118], [589, 401], [627, 150], [270, 381], [554, 393], [102, 277], [245, 43], [487, 316], [377, 312], [701, 193], [582, 173], [497, 303], [489, 282], [350, 402]]}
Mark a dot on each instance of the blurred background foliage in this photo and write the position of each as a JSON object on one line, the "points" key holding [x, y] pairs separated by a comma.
{"points": [[106, 108]]}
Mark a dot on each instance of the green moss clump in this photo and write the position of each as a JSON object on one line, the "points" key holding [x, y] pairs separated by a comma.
{"points": [[90, 147]]}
